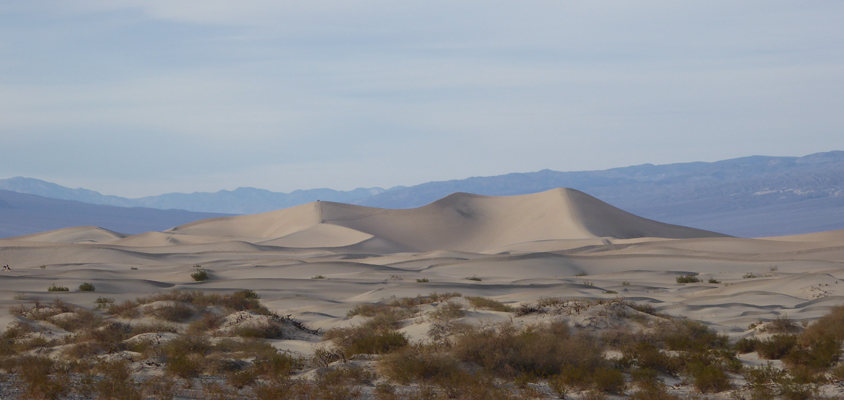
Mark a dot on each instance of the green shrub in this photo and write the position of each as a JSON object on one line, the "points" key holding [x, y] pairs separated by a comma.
{"points": [[474, 278], [54, 288], [713, 280], [86, 287], [200, 275], [688, 278], [318, 277], [423, 280]]}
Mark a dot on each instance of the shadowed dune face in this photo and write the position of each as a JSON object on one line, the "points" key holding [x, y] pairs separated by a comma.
{"points": [[319, 260]]}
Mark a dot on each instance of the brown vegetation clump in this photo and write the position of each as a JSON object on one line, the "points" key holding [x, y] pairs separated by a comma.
{"points": [[488, 304]]}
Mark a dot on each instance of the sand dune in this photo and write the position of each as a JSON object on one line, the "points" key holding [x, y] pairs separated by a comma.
{"points": [[317, 261]]}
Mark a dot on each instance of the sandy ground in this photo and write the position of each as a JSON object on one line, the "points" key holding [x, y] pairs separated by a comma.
{"points": [[317, 261]]}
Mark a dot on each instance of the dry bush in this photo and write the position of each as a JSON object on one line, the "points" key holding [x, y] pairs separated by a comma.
{"points": [[488, 304], [126, 309], [539, 351], [746, 345], [708, 378], [208, 322], [177, 312], [117, 382], [40, 378], [448, 311], [776, 347], [81, 320], [432, 297], [646, 355], [782, 325], [365, 339], [688, 335], [422, 364], [829, 326]]}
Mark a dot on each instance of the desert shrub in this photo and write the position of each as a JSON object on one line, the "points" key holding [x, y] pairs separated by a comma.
{"points": [[488, 304], [647, 356], [177, 312], [746, 345], [102, 303], [200, 275], [38, 374], [776, 347], [185, 366], [366, 310], [527, 309], [782, 325], [474, 278], [87, 287], [642, 307], [820, 354], [276, 366], [713, 280], [270, 330], [208, 322], [154, 327], [688, 335], [688, 278], [829, 326], [117, 382], [126, 309], [539, 351], [350, 375], [708, 378], [419, 363], [750, 275], [365, 339], [423, 280], [432, 297], [80, 320], [243, 300], [318, 277], [54, 288], [160, 387], [448, 311], [608, 380]]}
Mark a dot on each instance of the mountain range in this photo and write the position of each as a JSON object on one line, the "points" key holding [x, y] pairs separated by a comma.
{"points": [[750, 196]]}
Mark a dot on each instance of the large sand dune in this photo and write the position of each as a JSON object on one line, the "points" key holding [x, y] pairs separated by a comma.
{"points": [[560, 243]]}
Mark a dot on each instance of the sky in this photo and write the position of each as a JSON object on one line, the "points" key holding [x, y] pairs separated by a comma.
{"points": [[144, 97]]}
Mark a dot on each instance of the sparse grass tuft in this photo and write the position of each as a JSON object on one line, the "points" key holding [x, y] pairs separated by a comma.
{"points": [[54, 288]]}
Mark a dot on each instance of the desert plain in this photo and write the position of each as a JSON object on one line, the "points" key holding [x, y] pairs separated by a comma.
{"points": [[317, 262]]}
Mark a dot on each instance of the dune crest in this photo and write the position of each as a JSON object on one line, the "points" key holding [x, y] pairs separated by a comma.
{"points": [[461, 221]]}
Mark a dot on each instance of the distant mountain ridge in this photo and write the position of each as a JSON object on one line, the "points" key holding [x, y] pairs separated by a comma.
{"points": [[749, 196], [239, 201], [23, 214]]}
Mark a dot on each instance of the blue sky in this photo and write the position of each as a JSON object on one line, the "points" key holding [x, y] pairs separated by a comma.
{"points": [[143, 97]]}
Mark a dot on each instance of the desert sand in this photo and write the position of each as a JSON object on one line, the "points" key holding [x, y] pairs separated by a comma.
{"points": [[317, 261]]}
